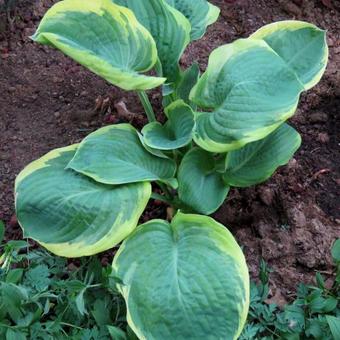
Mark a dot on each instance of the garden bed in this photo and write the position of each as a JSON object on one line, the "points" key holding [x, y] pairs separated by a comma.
{"points": [[48, 101]]}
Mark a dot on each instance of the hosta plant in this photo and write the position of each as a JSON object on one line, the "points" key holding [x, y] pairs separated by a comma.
{"points": [[185, 278]]}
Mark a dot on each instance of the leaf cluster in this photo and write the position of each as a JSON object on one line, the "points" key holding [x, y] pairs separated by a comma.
{"points": [[224, 128], [42, 297]]}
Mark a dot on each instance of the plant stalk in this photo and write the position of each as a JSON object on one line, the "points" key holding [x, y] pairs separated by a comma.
{"points": [[143, 97], [162, 198]]}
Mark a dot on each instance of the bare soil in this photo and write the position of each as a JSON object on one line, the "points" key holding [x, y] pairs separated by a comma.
{"points": [[48, 101]]}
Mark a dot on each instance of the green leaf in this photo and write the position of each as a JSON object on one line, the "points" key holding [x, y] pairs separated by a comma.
{"points": [[14, 334], [336, 250], [200, 13], [14, 275], [105, 38], [13, 297], [176, 132], [38, 278], [2, 231], [257, 161], [200, 187], [80, 302], [182, 89], [17, 244], [301, 45], [169, 28], [116, 333], [251, 89], [190, 280], [154, 152], [100, 309], [115, 155], [70, 214], [130, 333], [334, 325]]}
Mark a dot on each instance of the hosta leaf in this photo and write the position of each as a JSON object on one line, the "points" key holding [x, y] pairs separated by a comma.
{"points": [[251, 89], [115, 155], [186, 82], [105, 38], [200, 13], [189, 282], [169, 28], [200, 187], [257, 161], [71, 215], [301, 45], [176, 132]]}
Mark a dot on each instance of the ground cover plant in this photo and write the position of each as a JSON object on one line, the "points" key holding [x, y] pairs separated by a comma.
{"points": [[225, 129], [314, 314], [55, 299]]}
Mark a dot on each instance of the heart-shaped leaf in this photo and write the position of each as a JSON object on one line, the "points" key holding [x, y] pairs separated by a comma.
{"points": [[200, 13], [189, 282], [252, 86], [105, 38], [115, 155], [257, 161], [176, 132], [70, 214], [169, 28], [200, 187]]}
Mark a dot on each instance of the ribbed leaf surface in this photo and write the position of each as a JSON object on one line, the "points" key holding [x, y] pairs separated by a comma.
{"points": [[200, 187], [253, 85], [200, 13], [105, 38], [176, 132], [169, 28], [115, 155], [257, 161], [184, 280], [70, 214]]}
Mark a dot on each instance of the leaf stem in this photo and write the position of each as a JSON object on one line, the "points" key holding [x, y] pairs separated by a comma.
{"points": [[162, 198], [70, 325], [143, 97], [165, 189]]}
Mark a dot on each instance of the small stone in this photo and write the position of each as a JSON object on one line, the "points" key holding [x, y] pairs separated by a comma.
{"points": [[298, 217], [292, 164], [57, 114], [318, 117], [323, 137], [291, 8], [266, 195], [11, 89]]}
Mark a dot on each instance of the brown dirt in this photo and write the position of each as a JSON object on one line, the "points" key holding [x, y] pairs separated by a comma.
{"points": [[48, 101]]}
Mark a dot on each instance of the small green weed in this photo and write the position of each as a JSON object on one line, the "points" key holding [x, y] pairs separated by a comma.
{"points": [[41, 297], [315, 313]]}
